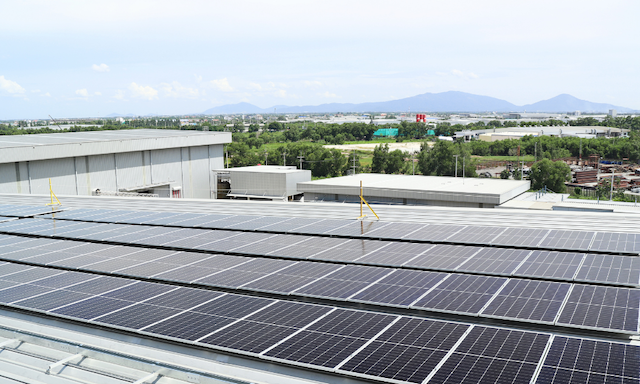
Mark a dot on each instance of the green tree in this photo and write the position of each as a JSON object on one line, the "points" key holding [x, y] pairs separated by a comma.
{"points": [[551, 174], [440, 160], [275, 126], [380, 157], [395, 162], [505, 174]]}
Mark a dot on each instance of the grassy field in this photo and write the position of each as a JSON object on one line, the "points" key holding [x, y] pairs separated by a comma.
{"points": [[381, 141]]}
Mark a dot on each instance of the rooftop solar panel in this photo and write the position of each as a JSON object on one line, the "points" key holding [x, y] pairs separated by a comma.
{"points": [[499, 261], [402, 287], [137, 316], [616, 242], [350, 250], [434, 232], [357, 228], [528, 300], [610, 269], [395, 254], [395, 230], [551, 265], [523, 237], [568, 240], [476, 235], [492, 355], [321, 226], [461, 294], [408, 351], [443, 257], [576, 361], [607, 308]]}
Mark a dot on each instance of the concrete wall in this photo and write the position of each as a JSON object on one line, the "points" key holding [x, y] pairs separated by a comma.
{"points": [[189, 168]]}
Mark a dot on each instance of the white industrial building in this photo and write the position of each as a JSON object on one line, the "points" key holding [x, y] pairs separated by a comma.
{"points": [[415, 190], [166, 163], [265, 182]]}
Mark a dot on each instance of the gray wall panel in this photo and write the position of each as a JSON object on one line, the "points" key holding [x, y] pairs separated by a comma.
{"points": [[8, 179], [166, 166], [198, 173], [102, 173], [131, 171], [60, 171]]}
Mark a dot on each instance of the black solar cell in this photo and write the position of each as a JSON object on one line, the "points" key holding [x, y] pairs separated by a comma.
{"points": [[491, 355], [529, 300], [461, 294], [552, 265], [610, 269]]}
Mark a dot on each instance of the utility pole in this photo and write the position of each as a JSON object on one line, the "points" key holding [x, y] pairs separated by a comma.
{"points": [[300, 158], [266, 154], [581, 149], [611, 193], [227, 151], [413, 165], [535, 156], [456, 156], [462, 170], [284, 158], [354, 162]]}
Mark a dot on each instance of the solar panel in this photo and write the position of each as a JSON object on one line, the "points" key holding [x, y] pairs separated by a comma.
{"points": [[395, 254], [434, 232], [257, 223], [607, 308], [189, 326], [343, 283], [408, 351], [51, 300], [402, 287], [550, 265], [523, 237], [350, 250], [357, 228], [576, 361], [495, 260], [293, 277], [461, 294], [395, 230], [270, 244], [610, 269], [285, 226], [443, 257], [307, 248], [137, 316], [616, 242], [493, 355], [321, 226], [332, 339], [569, 240], [476, 235], [528, 300]]}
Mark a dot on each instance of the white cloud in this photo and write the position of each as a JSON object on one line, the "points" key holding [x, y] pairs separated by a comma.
{"points": [[255, 86], [82, 92], [98, 93], [177, 90], [36, 91], [222, 84], [328, 95], [280, 93], [463, 75], [100, 68], [10, 86], [47, 94], [312, 84], [119, 95], [143, 92]]}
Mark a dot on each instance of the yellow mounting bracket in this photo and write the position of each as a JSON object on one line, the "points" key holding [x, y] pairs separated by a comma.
{"points": [[362, 216], [53, 196]]}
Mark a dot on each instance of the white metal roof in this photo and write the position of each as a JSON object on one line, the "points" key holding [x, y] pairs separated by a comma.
{"points": [[476, 190], [69, 144], [265, 169]]}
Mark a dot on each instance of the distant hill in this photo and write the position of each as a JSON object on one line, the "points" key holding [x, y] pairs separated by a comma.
{"points": [[120, 115], [451, 101], [568, 103]]}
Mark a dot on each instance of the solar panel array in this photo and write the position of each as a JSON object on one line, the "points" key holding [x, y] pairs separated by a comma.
{"points": [[373, 345], [549, 239], [8, 210], [562, 266], [515, 299], [564, 293]]}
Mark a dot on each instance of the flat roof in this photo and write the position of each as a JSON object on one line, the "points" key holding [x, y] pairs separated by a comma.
{"points": [[266, 169], [70, 144], [445, 188]]}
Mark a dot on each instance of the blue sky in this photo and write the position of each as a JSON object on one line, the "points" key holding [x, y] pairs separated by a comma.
{"points": [[90, 58]]}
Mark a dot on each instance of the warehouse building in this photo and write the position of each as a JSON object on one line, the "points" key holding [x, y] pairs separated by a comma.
{"points": [[165, 163], [415, 190]]}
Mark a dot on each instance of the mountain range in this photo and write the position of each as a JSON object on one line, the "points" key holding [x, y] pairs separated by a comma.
{"points": [[452, 101]]}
